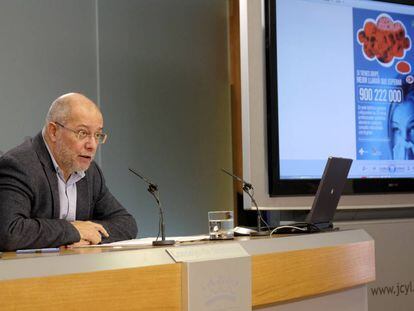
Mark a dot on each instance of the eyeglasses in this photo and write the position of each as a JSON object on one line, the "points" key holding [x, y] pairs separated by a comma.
{"points": [[100, 138]]}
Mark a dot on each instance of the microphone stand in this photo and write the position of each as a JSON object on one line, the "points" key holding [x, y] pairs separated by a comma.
{"points": [[249, 190], [153, 189]]}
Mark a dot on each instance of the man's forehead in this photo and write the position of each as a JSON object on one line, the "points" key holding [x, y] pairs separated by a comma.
{"points": [[88, 126], [86, 118]]}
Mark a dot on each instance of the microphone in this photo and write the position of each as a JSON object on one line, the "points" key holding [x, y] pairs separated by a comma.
{"points": [[249, 190], [153, 189]]}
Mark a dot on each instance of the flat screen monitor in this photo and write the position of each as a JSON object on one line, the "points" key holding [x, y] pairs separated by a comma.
{"points": [[340, 82]]}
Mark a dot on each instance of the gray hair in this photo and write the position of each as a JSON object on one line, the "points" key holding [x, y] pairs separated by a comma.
{"points": [[59, 111]]}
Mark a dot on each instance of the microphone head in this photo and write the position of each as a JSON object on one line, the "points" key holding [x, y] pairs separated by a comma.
{"points": [[232, 175], [246, 185], [152, 187]]}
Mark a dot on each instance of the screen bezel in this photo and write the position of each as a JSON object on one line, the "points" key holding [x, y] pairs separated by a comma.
{"points": [[292, 187]]}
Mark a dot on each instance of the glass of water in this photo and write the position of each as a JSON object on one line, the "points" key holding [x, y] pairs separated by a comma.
{"points": [[221, 225]]}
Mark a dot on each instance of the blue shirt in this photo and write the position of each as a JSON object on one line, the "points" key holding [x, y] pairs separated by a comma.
{"points": [[67, 190]]}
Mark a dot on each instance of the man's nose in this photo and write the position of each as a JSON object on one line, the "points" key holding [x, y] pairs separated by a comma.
{"points": [[91, 143]]}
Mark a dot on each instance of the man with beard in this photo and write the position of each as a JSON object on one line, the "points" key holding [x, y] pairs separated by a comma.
{"points": [[52, 193]]}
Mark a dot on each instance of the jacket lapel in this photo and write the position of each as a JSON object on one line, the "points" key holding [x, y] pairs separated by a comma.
{"points": [[44, 157], [82, 200]]}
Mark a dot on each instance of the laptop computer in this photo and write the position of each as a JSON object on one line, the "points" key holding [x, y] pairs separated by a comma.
{"points": [[326, 199]]}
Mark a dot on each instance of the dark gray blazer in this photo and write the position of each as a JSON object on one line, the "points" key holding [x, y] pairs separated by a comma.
{"points": [[29, 202]]}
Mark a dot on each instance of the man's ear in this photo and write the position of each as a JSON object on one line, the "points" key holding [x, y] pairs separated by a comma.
{"points": [[51, 130]]}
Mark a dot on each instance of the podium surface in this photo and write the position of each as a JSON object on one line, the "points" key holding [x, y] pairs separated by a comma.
{"points": [[283, 269]]}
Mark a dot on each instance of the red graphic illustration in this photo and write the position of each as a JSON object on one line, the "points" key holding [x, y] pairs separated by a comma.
{"points": [[403, 67], [384, 39]]}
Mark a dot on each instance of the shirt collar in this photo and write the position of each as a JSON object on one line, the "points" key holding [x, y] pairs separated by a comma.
{"points": [[78, 175]]}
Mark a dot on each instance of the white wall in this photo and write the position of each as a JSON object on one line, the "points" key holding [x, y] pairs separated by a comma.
{"points": [[165, 93], [47, 48]]}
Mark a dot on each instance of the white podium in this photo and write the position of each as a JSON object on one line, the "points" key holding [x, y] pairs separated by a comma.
{"points": [[306, 272]]}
